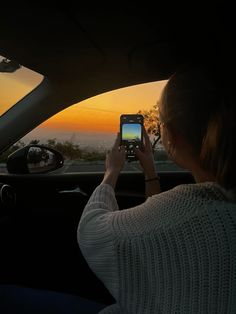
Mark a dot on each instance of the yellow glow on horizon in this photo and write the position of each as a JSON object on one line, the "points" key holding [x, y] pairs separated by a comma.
{"points": [[102, 113]]}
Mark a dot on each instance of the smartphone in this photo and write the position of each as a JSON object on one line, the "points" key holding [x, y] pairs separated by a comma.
{"points": [[131, 131]]}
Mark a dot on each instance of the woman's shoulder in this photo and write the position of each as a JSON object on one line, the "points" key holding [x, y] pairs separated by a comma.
{"points": [[188, 199], [171, 208], [204, 190]]}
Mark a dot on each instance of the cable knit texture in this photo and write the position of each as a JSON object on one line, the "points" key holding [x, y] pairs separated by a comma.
{"points": [[175, 253]]}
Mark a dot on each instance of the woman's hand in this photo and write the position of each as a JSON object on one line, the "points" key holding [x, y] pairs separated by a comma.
{"points": [[115, 160], [146, 157]]}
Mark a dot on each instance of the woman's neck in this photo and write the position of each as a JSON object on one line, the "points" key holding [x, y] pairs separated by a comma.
{"points": [[201, 175]]}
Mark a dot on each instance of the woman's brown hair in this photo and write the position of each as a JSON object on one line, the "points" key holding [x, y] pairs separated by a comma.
{"points": [[199, 105]]}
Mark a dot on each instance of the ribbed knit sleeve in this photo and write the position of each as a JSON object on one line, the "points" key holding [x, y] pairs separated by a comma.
{"points": [[96, 236], [175, 253]]}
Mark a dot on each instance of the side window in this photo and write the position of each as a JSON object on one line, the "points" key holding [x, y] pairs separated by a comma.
{"points": [[85, 131]]}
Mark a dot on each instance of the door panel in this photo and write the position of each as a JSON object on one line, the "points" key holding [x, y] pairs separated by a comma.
{"points": [[38, 234]]}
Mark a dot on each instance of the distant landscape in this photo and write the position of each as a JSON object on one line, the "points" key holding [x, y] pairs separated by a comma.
{"points": [[88, 157], [98, 140]]}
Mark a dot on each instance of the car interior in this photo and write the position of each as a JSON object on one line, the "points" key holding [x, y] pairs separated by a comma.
{"points": [[82, 51]]}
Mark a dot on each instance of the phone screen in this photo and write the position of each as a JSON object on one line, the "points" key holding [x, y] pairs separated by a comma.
{"points": [[131, 132], [131, 129]]}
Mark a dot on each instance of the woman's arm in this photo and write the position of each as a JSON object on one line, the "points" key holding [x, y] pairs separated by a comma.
{"points": [[115, 160], [146, 158]]}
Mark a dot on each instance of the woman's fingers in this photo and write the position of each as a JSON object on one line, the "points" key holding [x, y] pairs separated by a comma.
{"points": [[117, 142], [147, 142]]}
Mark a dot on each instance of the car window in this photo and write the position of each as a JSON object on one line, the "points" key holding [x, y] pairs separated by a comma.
{"points": [[16, 81], [84, 132]]}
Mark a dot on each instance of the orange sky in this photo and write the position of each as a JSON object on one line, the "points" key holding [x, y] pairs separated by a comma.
{"points": [[102, 112], [97, 114], [14, 86]]}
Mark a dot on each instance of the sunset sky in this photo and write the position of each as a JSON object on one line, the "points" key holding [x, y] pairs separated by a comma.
{"points": [[14, 86], [102, 113], [99, 114]]}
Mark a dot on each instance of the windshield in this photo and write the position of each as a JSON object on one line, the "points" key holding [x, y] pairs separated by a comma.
{"points": [[16, 81]]}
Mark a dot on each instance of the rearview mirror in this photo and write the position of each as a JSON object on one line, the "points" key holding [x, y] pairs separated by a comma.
{"points": [[34, 159]]}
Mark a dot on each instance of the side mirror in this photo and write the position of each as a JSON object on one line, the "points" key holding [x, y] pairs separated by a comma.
{"points": [[34, 159]]}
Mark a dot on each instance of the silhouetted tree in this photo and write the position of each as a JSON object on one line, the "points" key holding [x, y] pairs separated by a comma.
{"points": [[34, 142], [151, 123], [68, 149]]}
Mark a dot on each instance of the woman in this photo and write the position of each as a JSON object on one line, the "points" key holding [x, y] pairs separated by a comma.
{"points": [[176, 252]]}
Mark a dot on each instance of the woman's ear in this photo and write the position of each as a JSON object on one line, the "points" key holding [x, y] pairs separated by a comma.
{"points": [[176, 145], [170, 135], [175, 138], [170, 143]]}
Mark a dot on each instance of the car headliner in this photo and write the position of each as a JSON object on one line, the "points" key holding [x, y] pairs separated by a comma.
{"points": [[102, 49], [85, 50]]}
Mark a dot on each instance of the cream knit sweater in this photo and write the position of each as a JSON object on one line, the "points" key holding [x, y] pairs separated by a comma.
{"points": [[175, 253]]}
